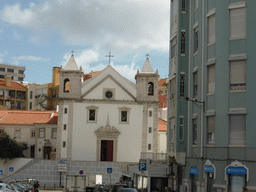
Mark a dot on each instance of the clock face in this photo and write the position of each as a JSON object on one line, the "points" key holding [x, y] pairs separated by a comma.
{"points": [[109, 94]]}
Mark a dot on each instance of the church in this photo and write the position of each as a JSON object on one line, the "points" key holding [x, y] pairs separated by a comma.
{"points": [[107, 117]]}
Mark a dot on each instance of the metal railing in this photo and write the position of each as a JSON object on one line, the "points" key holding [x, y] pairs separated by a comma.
{"points": [[160, 157]]}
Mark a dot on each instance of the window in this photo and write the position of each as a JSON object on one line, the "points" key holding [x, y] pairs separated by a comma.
{"points": [[1, 131], [182, 85], [150, 88], [194, 131], [64, 144], [211, 29], [195, 81], [183, 42], [211, 79], [124, 117], [195, 40], [210, 129], [2, 69], [150, 114], [54, 133], [31, 95], [20, 78], [237, 75], [109, 94], [10, 70], [237, 23], [30, 105], [66, 110], [33, 133], [64, 127], [1, 76], [150, 130], [92, 115], [21, 72], [17, 133], [12, 77], [173, 47], [237, 126], [181, 129], [149, 146], [183, 6], [66, 86], [41, 132]]}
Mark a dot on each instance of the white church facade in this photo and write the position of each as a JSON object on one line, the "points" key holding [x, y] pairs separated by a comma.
{"points": [[108, 117]]}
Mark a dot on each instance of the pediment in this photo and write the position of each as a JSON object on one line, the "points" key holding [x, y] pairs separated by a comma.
{"points": [[107, 131]]}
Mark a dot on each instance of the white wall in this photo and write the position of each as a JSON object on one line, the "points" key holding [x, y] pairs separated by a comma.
{"points": [[64, 136], [162, 142], [84, 139]]}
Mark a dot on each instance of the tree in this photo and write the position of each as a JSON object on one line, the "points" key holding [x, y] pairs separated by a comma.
{"points": [[10, 148]]}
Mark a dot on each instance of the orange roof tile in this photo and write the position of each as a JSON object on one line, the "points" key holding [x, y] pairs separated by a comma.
{"points": [[162, 82], [162, 125], [162, 100], [89, 75], [14, 85], [28, 117]]}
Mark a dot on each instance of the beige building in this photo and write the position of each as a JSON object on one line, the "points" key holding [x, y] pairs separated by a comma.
{"points": [[15, 72]]}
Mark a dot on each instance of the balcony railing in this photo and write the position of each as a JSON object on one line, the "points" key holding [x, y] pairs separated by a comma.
{"points": [[158, 157]]}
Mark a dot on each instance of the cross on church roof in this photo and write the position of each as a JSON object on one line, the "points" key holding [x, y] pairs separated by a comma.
{"points": [[147, 55], [109, 56], [72, 53]]}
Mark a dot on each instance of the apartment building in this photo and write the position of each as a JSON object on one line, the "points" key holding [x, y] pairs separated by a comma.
{"points": [[15, 72], [211, 105]]}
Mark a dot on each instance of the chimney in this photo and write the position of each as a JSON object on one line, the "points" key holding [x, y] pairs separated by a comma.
{"points": [[55, 75], [7, 80]]}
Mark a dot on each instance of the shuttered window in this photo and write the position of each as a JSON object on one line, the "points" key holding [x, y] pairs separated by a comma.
{"points": [[210, 129], [195, 79], [211, 79], [182, 85], [238, 23], [194, 134], [183, 43], [237, 75], [237, 124], [196, 40], [211, 29], [181, 129]]}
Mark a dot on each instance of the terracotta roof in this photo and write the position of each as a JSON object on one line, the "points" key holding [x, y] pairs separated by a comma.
{"points": [[162, 125], [162, 100], [14, 85], [162, 82], [28, 117], [89, 75]]}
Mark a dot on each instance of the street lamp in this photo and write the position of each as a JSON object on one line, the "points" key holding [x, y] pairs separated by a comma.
{"points": [[194, 100]]}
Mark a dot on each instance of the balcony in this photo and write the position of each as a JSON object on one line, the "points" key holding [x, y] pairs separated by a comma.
{"points": [[155, 157], [174, 24]]}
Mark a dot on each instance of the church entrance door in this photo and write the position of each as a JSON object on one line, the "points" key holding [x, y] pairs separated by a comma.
{"points": [[106, 150]]}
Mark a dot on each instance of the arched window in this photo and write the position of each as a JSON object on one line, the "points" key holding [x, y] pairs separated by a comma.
{"points": [[66, 85], [150, 88]]}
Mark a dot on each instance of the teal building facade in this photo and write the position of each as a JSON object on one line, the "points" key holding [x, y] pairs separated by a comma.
{"points": [[211, 95]]}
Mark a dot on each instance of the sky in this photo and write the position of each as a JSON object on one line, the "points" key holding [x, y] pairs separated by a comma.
{"points": [[40, 35]]}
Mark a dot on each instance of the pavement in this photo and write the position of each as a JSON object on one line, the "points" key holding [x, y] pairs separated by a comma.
{"points": [[50, 190]]}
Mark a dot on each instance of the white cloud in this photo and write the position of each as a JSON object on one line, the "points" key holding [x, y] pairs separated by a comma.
{"points": [[32, 58], [2, 55], [108, 24]]}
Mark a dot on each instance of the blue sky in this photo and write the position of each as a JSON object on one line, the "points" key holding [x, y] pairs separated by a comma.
{"points": [[41, 34]]}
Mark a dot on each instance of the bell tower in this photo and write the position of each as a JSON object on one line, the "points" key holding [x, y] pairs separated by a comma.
{"points": [[70, 80], [147, 83]]}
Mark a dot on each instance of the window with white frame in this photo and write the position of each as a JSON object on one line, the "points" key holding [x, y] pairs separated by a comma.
{"points": [[182, 85], [17, 133], [150, 130], [64, 127], [237, 132], [211, 29], [237, 23], [54, 133], [195, 39], [211, 79], [237, 75], [181, 129], [194, 131], [41, 132], [173, 47], [33, 133], [183, 6], [195, 86], [64, 144], [150, 114], [183, 42], [92, 114], [210, 129], [149, 146]]}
